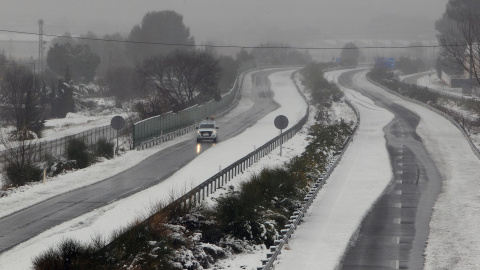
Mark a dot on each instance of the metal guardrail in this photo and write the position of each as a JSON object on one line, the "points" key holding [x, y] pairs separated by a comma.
{"points": [[57, 147], [297, 217], [160, 128], [153, 129], [199, 193], [475, 150], [160, 138], [209, 186], [202, 191]]}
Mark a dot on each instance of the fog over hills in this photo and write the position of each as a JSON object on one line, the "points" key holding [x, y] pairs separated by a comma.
{"points": [[233, 22]]}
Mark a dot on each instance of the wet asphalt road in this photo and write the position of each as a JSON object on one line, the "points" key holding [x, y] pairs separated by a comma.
{"points": [[393, 234], [23, 225]]}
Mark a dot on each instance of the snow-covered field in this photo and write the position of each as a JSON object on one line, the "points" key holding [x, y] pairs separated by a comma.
{"points": [[454, 240], [75, 123]]}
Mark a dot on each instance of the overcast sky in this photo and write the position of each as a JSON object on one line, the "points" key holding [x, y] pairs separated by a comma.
{"points": [[212, 19]]}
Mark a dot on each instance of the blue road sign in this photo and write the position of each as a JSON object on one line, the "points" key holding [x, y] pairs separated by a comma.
{"points": [[386, 62]]}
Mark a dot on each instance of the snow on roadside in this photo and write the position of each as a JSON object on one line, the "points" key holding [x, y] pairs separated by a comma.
{"points": [[122, 212], [454, 239], [453, 243], [22, 197], [432, 81], [294, 147], [349, 193]]}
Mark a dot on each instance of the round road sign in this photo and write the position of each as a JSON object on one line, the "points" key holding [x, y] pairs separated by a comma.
{"points": [[281, 122], [117, 123]]}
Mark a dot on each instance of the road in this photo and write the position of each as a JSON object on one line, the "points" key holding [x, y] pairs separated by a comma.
{"points": [[393, 234], [29, 222]]}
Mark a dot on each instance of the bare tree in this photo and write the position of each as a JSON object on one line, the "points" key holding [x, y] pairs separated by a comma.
{"points": [[460, 48], [20, 92], [20, 161], [183, 78]]}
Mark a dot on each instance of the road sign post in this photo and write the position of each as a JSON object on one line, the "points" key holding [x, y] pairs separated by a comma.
{"points": [[281, 122], [117, 123]]}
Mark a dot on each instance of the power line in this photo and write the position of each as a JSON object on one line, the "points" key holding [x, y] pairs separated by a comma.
{"points": [[230, 46]]}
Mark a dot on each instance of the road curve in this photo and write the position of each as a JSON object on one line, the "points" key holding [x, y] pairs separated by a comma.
{"points": [[22, 225], [393, 234]]}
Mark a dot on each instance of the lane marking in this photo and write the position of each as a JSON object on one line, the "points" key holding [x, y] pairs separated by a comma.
{"points": [[397, 240]]}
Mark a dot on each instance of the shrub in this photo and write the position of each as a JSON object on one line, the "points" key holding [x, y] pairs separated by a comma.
{"points": [[244, 214], [266, 188], [104, 148], [141, 245], [37, 126], [19, 174], [57, 167], [235, 216], [70, 254], [77, 150], [323, 92]]}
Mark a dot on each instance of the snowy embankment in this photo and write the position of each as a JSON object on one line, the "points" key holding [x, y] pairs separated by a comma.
{"points": [[105, 220], [454, 239], [431, 80], [349, 193]]}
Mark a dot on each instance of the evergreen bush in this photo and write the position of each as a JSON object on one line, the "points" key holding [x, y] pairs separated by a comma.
{"points": [[77, 150], [19, 174], [104, 148]]}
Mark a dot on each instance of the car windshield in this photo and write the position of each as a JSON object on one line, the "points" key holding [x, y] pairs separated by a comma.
{"points": [[206, 126]]}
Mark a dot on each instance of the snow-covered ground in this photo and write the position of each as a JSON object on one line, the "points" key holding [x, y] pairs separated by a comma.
{"points": [[105, 220], [454, 240], [348, 194], [431, 80], [75, 123]]}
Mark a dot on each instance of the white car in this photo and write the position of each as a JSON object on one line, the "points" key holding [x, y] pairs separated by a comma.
{"points": [[207, 130]]}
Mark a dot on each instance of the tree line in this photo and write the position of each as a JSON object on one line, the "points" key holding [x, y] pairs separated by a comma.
{"points": [[157, 65]]}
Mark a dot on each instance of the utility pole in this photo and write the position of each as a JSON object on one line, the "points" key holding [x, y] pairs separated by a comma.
{"points": [[40, 46], [471, 67], [11, 37]]}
